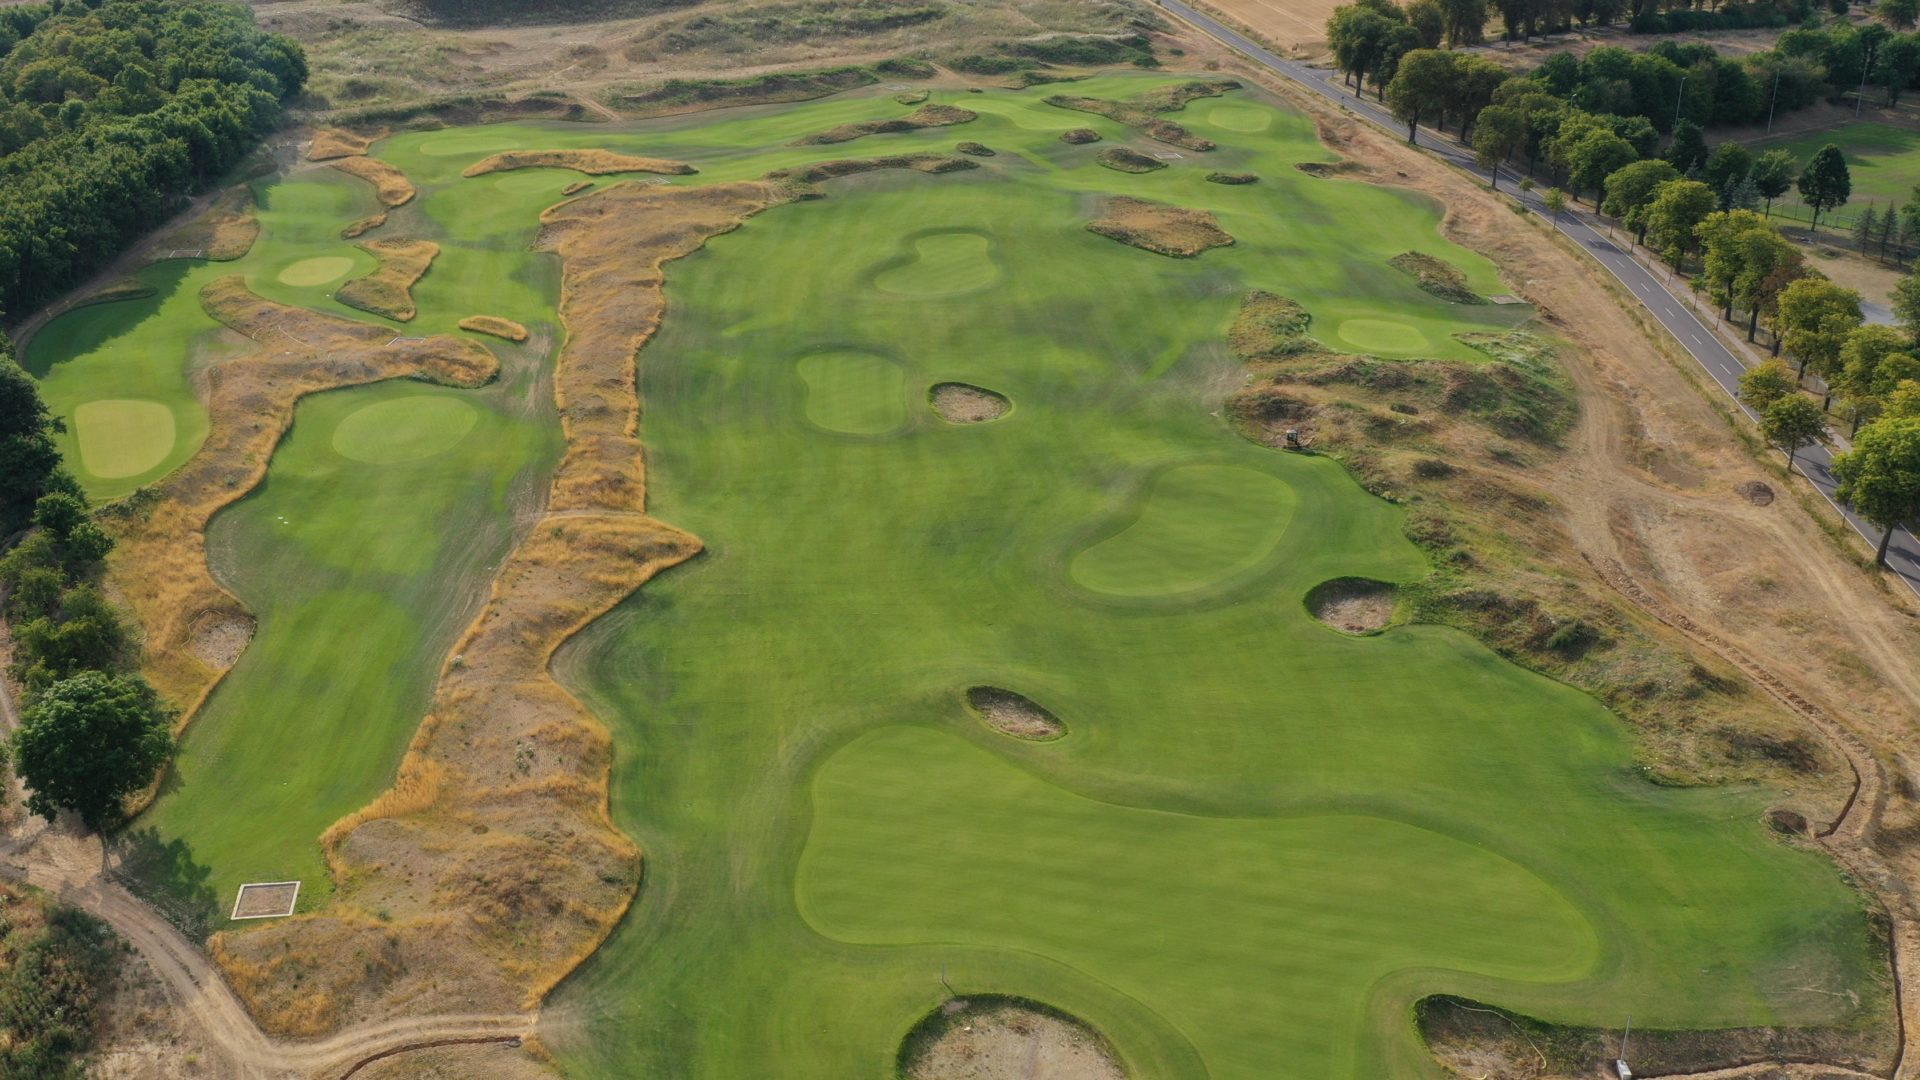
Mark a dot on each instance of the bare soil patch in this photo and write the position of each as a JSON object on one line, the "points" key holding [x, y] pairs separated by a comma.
{"points": [[926, 116], [388, 290], [1436, 276], [1014, 714], [494, 325], [330, 144], [390, 185], [1353, 605], [1079, 136], [961, 403], [1141, 112], [1159, 228], [1756, 492], [219, 636], [1001, 1038], [225, 231], [1127, 160], [591, 162]]}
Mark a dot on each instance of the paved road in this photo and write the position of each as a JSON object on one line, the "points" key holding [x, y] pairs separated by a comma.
{"points": [[1713, 356]]}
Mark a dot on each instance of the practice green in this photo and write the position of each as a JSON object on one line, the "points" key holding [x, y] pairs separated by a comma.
{"points": [[316, 271], [1381, 335], [121, 438]]}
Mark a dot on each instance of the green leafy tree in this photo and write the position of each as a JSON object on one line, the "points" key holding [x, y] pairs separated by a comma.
{"points": [[1895, 67], [1825, 183], [1815, 318], [1359, 38], [1861, 384], [1466, 21], [1422, 87], [1677, 209], [1630, 189], [1773, 175], [1793, 423], [1763, 384], [1726, 167], [84, 634], [1500, 134], [1688, 150], [1865, 227], [88, 742], [1595, 156], [1555, 201], [1880, 476], [1906, 303], [1429, 21], [1899, 14], [29, 461]]}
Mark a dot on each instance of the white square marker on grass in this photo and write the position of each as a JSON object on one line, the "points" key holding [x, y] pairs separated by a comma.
{"points": [[266, 900]]}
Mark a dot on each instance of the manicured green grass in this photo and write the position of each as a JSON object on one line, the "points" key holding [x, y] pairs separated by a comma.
{"points": [[120, 438], [1259, 841], [1883, 161]]}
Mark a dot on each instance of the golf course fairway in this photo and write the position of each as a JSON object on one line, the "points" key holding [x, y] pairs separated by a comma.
{"points": [[1260, 841]]}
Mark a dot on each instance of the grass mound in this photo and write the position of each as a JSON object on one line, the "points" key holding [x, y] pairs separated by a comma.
{"points": [[388, 290], [911, 97], [1437, 276], [1353, 605], [390, 185], [593, 162], [1270, 327], [1159, 228], [1232, 178], [991, 1036], [829, 170], [975, 149], [494, 325], [1014, 714], [332, 143], [926, 116], [1079, 136], [961, 403], [1126, 160], [1141, 111], [225, 231]]}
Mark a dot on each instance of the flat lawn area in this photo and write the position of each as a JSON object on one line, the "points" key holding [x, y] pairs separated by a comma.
{"points": [[1883, 160], [1260, 840]]}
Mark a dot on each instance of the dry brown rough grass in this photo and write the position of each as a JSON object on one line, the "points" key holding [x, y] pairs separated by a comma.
{"points": [[592, 162], [494, 325], [388, 290], [364, 225], [1159, 228], [332, 143], [1141, 111], [225, 231], [576, 187], [390, 185], [1127, 160], [926, 116]]}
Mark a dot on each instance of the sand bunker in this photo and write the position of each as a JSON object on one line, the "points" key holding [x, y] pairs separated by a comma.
{"points": [[390, 185], [591, 162], [1755, 492], [1001, 1038], [1353, 605], [960, 403], [1121, 159], [495, 325], [388, 290], [926, 116], [1012, 714], [1161, 229], [219, 636]]}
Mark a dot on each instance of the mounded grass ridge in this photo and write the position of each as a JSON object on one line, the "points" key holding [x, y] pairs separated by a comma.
{"points": [[595, 162]]}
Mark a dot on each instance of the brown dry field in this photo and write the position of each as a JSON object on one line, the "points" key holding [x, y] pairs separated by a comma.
{"points": [[388, 290], [226, 230], [1161, 229], [1297, 27], [494, 325], [390, 185]]}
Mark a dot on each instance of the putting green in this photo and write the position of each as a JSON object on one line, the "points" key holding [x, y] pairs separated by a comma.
{"points": [[942, 264], [1242, 119], [122, 438], [854, 393], [1200, 525], [1382, 335], [404, 429], [316, 271]]}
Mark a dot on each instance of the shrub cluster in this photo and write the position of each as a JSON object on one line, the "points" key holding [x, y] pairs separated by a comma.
{"points": [[59, 963]]}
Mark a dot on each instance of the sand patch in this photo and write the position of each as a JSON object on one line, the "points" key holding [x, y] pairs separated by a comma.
{"points": [[123, 437], [1014, 714], [1001, 1038], [591, 162], [1437, 276], [1159, 228], [1079, 136], [1756, 492], [961, 403], [330, 144], [1123, 159], [388, 290], [226, 231], [390, 185], [926, 116], [1353, 605], [494, 325], [218, 636]]}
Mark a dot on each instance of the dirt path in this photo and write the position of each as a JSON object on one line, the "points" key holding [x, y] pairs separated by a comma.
{"points": [[74, 867]]}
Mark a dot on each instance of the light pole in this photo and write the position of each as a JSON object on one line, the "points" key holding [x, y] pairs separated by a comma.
{"points": [[1774, 100], [1679, 102]]}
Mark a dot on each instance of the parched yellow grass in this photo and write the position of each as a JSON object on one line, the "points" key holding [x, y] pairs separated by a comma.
{"points": [[331, 143], [591, 162], [390, 185], [495, 325], [1161, 229], [388, 290], [223, 232], [160, 561], [365, 224]]}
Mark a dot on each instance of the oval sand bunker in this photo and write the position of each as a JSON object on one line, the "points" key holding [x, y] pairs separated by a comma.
{"points": [[404, 429], [1353, 605], [1014, 714], [316, 271], [993, 1037], [960, 403]]}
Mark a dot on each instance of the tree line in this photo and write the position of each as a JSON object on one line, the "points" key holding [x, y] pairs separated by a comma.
{"points": [[111, 112]]}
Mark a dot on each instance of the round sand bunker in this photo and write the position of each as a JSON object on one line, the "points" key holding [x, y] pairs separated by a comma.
{"points": [[1012, 714], [1003, 1038], [1353, 605], [959, 403]]}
